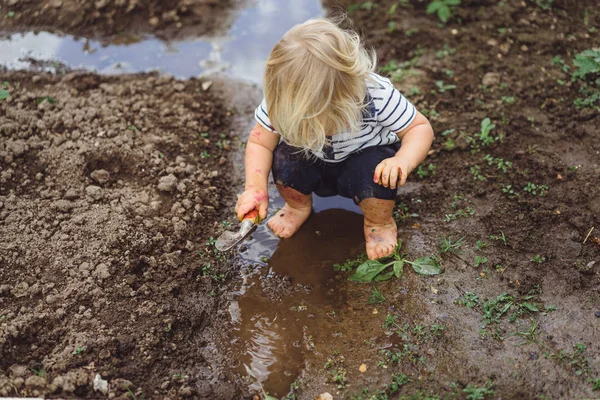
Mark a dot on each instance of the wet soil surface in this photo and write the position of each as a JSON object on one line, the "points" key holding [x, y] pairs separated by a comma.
{"points": [[108, 266], [108, 20], [516, 310]]}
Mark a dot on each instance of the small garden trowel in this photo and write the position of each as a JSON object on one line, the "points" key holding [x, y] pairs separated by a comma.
{"points": [[229, 239]]}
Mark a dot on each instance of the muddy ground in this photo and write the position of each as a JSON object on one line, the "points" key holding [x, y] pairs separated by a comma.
{"points": [[109, 201], [118, 20], [111, 189]]}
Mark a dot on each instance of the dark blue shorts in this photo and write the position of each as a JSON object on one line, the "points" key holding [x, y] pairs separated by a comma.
{"points": [[351, 178]]}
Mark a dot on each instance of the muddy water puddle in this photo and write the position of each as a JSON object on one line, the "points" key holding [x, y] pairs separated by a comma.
{"points": [[240, 52], [290, 293]]}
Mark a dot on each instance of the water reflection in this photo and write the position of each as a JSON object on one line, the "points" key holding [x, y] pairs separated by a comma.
{"points": [[241, 52]]}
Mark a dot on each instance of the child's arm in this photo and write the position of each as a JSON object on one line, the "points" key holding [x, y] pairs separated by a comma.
{"points": [[259, 158], [416, 142]]}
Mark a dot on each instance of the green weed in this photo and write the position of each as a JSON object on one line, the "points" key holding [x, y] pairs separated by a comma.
{"points": [[536, 190], [375, 297], [479, 260], [538, 258], [447, 244], [469, 300], [443, 88], [444, 9], [478, 393], [423, 172], [501, 237]]}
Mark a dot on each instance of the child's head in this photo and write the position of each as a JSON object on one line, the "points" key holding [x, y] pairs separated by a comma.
{"points": [[315, 83]]}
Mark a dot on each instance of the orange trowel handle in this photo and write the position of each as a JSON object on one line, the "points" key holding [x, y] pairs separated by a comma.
{"points": [[252, 215]]}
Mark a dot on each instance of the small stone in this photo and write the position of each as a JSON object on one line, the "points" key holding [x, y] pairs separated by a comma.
{"points": [[71, 194], [154, 21], [95, 192], [100, 175], [167, 183], [324, 396], [63, 206], [100, 385], [179, 87], [491, 79], [56, 3], [597, 314], [206, 85], [363, 367], [102, 271]]}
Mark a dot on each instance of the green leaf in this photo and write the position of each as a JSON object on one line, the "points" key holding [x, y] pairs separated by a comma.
{"points": [[529, 306], [434, 6], [453, 2], [4, 94], [443, 13], [426, 266], [384, 276], [398, 268], [367, 271], [267, 397]]}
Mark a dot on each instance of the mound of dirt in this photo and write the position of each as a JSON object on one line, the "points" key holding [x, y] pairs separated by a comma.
{"points": [[111, 189], [105, 20]]}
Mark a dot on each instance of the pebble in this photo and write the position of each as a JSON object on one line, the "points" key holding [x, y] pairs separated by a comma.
{"points": [[100, 175], [491, 79], [95, 192], [102, 271], [167, 183], [100, 385], [597, 314], [71, 194], [206, 85]]}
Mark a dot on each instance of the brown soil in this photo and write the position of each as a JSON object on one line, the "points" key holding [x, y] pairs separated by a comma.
{"points": [[106, 272], [110, 189], [118, 20]]}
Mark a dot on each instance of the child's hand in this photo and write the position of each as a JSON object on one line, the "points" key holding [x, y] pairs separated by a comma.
{"points": [[252, 199], [392, 172]]}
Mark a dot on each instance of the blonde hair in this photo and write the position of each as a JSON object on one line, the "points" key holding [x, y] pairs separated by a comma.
{"points": [[315, 83]]}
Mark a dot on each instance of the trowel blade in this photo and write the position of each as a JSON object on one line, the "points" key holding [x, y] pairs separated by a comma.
{"points": [[229, 239]]}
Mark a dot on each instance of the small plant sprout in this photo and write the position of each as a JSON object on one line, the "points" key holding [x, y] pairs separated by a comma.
{"points": [[536, 190], [78, 350], [443, 8], [484, 134], [509, 191], [447, 244], [376, 297], [480, 244], [443, 88], [500, 237], [476, 172], [478, 393], [538, 258], [480, 260], [468, 299]]}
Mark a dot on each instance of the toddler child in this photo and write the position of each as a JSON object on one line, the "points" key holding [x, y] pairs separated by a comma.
{"points": [[329, 125]]}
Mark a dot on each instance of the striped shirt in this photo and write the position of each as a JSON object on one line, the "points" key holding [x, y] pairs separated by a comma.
{"points": [[386, 113]]}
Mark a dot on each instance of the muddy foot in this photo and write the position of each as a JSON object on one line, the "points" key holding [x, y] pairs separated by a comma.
{"points": [[288, 220], [381, 239]]}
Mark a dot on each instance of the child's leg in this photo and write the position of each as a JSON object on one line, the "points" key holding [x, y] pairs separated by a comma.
{"points": [[296, 178], [381, 233], [376, 202]]}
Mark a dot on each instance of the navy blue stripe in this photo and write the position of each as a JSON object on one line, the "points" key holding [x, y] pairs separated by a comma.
{"points": [[354, 144], [388, 102], [407, 122], [357, 149], [400, 117], [263, 110], [263, 122], [393, 111], [356, 137]]}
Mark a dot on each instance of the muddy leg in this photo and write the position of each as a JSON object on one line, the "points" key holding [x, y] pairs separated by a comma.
{"points": [[296, 210], [380, 227]]}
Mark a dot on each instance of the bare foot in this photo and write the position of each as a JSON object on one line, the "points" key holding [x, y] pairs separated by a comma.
{"points": [[288, 220], [381, 238]]}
